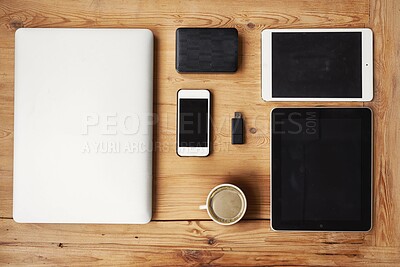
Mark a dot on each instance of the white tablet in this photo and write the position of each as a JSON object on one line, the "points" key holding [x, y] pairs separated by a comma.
{"points": [[317, 65]]}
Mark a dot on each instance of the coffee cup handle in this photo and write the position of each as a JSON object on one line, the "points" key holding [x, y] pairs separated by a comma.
{"points": [[203, 207]]}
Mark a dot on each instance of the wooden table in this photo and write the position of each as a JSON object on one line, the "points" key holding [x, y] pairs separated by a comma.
{"points": [[180, 234]]}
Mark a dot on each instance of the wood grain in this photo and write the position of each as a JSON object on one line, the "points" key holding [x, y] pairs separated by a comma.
{"points": [[385, 22], [185, 243], [181, 234]]}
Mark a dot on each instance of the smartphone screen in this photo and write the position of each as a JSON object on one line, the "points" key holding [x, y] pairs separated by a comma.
{"points": [[193, 122]]}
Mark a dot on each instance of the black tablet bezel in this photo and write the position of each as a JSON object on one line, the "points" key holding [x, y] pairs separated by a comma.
{"points": [[365, 224]]}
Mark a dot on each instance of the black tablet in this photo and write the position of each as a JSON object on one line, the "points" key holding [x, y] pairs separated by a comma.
{"points": [[321, 169], [206, 50]]}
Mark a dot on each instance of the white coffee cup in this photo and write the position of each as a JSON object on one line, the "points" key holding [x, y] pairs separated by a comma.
{"points": [[226, 204]]}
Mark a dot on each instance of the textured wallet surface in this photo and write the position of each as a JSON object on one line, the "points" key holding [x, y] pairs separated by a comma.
{"points": [[206, 49]]}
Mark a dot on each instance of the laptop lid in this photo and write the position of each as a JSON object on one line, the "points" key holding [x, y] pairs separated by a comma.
{"points": [[83, 126]]}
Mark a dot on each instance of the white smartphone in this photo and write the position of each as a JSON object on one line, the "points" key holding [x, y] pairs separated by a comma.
{"points": [[317, 64], [193, 123]]}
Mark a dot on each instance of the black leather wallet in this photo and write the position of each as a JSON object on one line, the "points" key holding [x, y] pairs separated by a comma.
{"points": [[206, 49]]}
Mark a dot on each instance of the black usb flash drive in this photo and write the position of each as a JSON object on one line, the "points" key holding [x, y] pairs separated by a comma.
{"points": [[237, 129]]}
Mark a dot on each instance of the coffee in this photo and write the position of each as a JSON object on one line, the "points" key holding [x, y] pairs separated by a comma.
{"points": [[226, 204]]}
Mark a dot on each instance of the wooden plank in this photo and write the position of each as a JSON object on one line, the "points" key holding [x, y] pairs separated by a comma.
{"points": [[38, 254], [184, 243], [385, 22], [158, 14]]}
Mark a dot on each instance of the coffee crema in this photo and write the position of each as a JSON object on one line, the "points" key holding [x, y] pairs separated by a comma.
{"points": [[226, 204]]}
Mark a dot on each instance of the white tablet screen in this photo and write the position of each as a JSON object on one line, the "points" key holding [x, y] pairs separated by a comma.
{"points": [[317, 64]]}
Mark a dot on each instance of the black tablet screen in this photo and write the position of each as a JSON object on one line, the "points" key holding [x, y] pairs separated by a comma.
{"points": [[322, 168], [317, 64]]}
